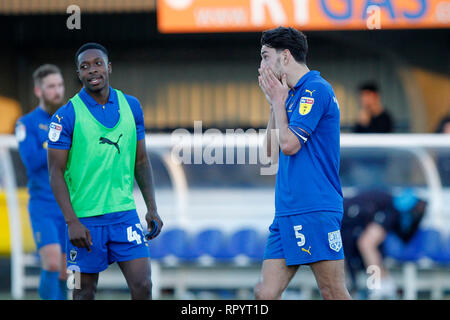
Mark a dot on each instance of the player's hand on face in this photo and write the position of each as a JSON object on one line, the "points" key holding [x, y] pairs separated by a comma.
{"points": [[260, 80], [153, 216], [276, 91], [79, 235]]}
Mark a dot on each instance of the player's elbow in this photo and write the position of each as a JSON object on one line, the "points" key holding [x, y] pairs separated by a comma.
{"points": [[289, 149]]}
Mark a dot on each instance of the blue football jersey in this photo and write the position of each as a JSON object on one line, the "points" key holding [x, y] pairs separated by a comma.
{"points": [[308, 181], [32, 135]]}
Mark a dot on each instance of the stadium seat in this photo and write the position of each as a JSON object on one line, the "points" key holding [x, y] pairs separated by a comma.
{"points": [[393, 246], [156, 248], [247, 242], [446, 250], [433, 245], [214, 243], [426, 243], [179, 243]]}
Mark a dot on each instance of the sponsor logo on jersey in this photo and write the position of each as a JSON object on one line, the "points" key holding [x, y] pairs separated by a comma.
{"points": [[54, 132], [307, 251], [103, 140], [305, 105], [21, 132]]}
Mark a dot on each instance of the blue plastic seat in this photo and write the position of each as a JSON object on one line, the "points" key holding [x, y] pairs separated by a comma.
{"points": [[433, 245], [413, 250], [156, 248], [425, 243], [393, 246], [180, 244], [247, 242], [446, 250], [212, 242]]}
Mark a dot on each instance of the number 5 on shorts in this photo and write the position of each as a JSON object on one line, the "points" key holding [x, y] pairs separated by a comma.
{"points": [[299, 235]]}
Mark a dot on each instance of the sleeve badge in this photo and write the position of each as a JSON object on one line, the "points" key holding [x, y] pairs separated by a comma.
{"points": [[305, 105], [55, 132]]}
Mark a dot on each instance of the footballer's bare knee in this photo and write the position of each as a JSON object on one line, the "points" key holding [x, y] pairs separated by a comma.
{"points": [[264, 292], [141, 290], [86, 293]]}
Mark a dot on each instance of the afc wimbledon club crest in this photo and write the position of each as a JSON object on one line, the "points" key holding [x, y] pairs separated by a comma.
{"points": [[73, 255], [305, 105], [335, 241]]}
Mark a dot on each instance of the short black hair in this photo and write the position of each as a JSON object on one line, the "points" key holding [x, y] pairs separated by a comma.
{"points": [[369, 86], [282, 38], [442, 124], [87, 46], [41, 72]]}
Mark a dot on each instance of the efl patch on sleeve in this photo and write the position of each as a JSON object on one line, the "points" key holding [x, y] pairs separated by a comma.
{"points": [[21, 132], [54, 132], [305, 105]]}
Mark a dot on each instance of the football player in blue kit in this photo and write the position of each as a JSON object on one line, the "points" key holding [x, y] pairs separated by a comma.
{"points": [[47, 220], [308, 195], [96, 152]]}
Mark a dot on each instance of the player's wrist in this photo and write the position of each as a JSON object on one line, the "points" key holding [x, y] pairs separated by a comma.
{"points": [[152, 212], [277, 104], [72, 221]]}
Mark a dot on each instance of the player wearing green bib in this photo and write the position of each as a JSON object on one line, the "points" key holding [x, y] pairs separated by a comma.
{"points": [[96, 150]]}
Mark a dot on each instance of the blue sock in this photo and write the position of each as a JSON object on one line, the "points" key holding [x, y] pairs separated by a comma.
{"points": [[62, 290], [49, 285]]}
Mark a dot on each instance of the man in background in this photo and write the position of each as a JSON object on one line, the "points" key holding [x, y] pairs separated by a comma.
{"points": [[373, 117], [368, 217], [444, 125], [443, 157], [47, 220]]}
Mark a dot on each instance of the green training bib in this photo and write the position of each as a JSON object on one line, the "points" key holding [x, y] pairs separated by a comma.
{"points": [[100, 164]]}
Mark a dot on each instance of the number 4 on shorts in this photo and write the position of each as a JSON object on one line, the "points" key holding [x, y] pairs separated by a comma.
{"points": [[133, 235]]}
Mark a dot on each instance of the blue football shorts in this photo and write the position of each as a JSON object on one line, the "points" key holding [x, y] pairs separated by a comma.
{"points": [[47, 223], [116, 237], [305, 238]]}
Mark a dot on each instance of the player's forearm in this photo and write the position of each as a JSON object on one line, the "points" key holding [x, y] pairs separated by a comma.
{"points": [[144, 178], [289, 144], [267, 144], [57, 162], [62, 196]]}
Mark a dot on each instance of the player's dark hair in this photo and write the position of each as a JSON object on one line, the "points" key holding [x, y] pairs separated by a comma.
{"points": [[282, 38], [87, 46], [369, 86], [44, 70]]}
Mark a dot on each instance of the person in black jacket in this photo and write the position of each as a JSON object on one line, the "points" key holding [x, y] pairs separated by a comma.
{"points": [[368, 217], [373, 118]]}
